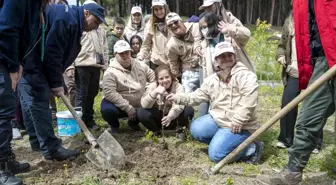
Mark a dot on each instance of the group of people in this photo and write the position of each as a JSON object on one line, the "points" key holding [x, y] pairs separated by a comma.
{"points": [[156, 68]]}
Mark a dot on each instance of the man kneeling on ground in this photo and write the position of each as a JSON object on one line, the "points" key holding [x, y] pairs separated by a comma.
{"points": [[124, 84], [233, 93]]}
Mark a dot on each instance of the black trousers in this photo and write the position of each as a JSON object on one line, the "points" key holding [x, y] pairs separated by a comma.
{"points": [[151, 119], [287, 123], [87, 87]]}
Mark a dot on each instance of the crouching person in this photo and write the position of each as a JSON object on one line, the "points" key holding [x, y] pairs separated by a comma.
{"points": [[156, 112], [232, 92], [124, 82]]}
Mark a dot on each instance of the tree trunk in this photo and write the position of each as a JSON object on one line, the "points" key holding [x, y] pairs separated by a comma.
{"points": [[272, 12], [251, 11], [129, 6], [177, 6]]}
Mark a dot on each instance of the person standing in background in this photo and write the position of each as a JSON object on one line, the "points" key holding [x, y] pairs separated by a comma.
{"points": [[136, 24], [117, 33]]}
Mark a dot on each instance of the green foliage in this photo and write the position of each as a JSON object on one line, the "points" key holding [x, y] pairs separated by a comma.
{"points": [[92, 181], [229, 181], [262, 52]]}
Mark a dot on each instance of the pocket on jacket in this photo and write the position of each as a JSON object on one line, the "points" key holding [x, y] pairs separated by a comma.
{"points": [[331, 12]]}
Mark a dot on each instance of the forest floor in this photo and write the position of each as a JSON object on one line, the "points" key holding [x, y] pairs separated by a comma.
{"points": [[182, 163]]}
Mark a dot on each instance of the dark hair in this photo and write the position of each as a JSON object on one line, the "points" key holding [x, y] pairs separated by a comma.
{"points": [[136, 37], [213, 20], [118, 20], [161, 68]]}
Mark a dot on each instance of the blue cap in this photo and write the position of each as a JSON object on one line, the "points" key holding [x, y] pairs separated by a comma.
{"points": [[96, 10]]}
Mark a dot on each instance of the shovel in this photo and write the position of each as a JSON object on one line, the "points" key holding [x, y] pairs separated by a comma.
{"points": [[106, 152], [320, 81]]}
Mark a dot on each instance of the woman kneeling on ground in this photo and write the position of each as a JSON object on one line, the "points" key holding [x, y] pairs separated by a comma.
{"points": [[156, 112], [233, 93]]}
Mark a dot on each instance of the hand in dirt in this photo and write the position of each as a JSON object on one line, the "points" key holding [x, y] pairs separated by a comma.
{"points": [[15, 77], [223, 27], [57, 91], [132, 114], [236, 128], [166, 121], [199, 51], [170, 98]]}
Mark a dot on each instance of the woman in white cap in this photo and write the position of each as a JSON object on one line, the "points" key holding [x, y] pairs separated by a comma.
{"points": [[233, 94], [157, 37], [135, 25]]}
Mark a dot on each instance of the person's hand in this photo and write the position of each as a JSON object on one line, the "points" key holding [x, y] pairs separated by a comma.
{"points": [[70, 73], [236, 128], [160, 90], [165, 121], [103, 67], [199, 51], [57, 91], [223, 27], [282, 60], [15, 77], [141, 58], [170, 98], [132, 114]]}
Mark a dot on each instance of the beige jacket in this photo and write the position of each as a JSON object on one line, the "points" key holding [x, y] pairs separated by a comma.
{"points": [[173, 111], [87, 55], [130, 31], [238, 35], [181, 53], [155, 45], [233, 102], [125, 88]]}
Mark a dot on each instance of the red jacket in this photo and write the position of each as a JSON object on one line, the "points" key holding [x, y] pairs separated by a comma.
{"points": [[325, 12]]}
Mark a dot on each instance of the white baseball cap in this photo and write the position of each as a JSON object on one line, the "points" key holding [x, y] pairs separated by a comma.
{"points": [[159, 2], [207, 3], [224, 47], [136, 9], [172, 17], [121, 46], [89, 1]]}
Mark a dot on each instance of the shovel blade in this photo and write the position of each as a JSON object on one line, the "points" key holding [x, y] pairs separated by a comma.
{"points": [[109, 154]]}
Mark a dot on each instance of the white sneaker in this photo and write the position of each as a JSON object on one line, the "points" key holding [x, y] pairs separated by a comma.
{"points": [[16, 134], [280, 145], [316, 151]]}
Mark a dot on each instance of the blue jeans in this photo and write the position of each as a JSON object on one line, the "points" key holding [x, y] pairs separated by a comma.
{"points": [[112, 113], [221, 140], [8, 102], [34, 94]]}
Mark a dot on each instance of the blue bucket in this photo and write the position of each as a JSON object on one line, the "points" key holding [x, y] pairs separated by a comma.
{"points": [[66, 124]]}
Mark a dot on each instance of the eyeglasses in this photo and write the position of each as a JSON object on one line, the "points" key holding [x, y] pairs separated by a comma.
{"points": [[175, 22]]}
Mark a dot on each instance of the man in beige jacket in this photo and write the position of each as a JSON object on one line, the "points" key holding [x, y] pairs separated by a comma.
{"points": [[124, 83], [183, 61], [233, 93], [92, 58]]}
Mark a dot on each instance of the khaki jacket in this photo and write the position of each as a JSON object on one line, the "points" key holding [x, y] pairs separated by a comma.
{"points": [[238, 35], [87, 55], [181, 52], [125, 88], [155, 45], [130, 31], [232, 102], [173, 111]]}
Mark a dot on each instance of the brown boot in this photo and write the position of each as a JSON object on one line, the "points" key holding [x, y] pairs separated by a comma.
{"points": [[285, 177]]}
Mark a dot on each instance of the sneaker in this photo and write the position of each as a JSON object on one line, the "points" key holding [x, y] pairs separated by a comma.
{"points": [[16, 134], [316, 151], [15, 167], [62, 154], [134, 126], [91, 124], [281, 145], [285, 177], [256, 157], [7, 177]]}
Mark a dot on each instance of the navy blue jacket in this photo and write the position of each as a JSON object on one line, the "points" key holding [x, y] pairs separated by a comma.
{"points": [[19, 24], [64, 31]]}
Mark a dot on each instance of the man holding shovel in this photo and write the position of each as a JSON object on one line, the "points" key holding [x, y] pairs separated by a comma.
{"points": [[43, 69], [315, 32]]}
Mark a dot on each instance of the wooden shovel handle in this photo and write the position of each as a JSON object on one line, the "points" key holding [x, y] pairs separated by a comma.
{"points": [[86, 131], [320, 81]]}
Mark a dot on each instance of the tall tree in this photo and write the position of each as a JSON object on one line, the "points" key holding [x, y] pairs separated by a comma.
{"points": [[272, 12]]}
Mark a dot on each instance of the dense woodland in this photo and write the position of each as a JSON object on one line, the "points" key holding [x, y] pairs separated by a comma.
{"points": [[248, 11]]}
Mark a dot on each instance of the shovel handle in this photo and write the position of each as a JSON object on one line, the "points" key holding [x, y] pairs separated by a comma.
{"points": [[320, 81], [86, 131]]}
